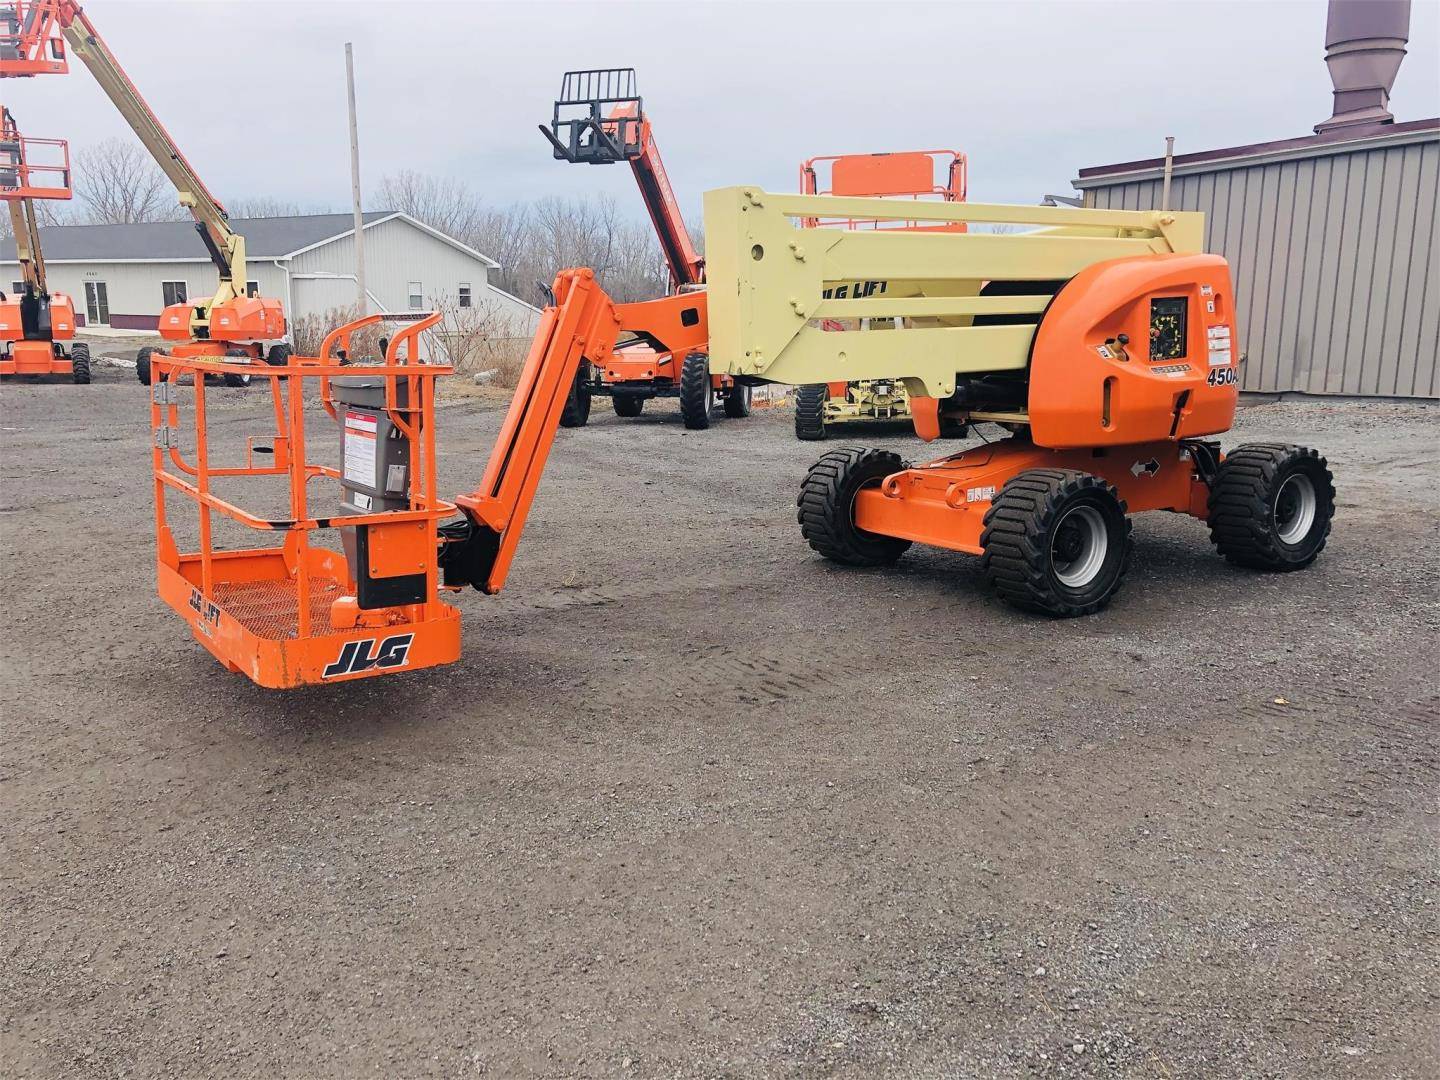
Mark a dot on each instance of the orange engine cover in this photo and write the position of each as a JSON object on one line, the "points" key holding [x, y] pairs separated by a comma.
{"points": [[62, 318], [1174, 374], [247, 318]]}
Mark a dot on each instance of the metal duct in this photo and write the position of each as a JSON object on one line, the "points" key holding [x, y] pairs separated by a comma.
{"points": [[1364, 44]]}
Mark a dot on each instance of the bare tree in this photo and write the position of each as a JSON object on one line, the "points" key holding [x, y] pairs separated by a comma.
{"points": [[442, 202], [116, 183], [263, 206]]}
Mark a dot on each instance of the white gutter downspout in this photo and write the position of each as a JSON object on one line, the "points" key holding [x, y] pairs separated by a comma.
{"points": [[289, 299]]}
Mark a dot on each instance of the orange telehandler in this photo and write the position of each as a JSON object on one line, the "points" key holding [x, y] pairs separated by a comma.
{"points": [[34, 35], [35, 323], [599, 119]]}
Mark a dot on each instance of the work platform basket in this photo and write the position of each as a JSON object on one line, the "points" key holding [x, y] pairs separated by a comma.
{"points": [[288, 613]]}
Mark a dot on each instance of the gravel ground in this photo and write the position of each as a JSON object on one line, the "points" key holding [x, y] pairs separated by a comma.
{"points": [[696, 803]]}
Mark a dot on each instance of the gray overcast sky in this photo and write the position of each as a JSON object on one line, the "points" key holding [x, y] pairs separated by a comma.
{"points": [[739, 92]]}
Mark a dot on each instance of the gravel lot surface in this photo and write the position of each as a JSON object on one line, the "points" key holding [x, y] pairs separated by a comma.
{"points": [[696, 803]]}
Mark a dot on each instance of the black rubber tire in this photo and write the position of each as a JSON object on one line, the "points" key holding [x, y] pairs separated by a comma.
{"points": [[1034, 513], [577, 404], [235, 382], [696, 392], [142, 365], [628, 405], [827, 507], [279, 354], [810, 411], [80, 363], [1249, 499], [737, 401]]}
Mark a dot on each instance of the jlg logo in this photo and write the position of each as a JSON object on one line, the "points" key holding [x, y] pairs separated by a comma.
{"points": [[356, 656], [209, 613]]}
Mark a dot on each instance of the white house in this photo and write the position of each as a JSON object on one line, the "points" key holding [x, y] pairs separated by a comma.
{"points": [[122, 276]]}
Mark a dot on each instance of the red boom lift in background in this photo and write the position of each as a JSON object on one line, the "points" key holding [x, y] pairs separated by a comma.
{"points": [[34, 322], [599, 119]]}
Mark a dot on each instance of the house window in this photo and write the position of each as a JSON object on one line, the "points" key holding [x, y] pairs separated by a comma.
{"points": [[464, 294], [417, 296], [174, 292], [252, 288], [18, 287]]}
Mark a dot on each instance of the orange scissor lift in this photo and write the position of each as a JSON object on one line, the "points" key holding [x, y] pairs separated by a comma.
{"points": [[297, 611]]}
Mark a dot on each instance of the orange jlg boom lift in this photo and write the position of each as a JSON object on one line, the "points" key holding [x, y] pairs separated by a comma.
{"points": [[230, 323], [1107, 353], [599, 119], [35, 323]]}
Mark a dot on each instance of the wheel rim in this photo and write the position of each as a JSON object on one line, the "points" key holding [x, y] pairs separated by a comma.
{"points": [[1294, 510], [1078, 546]]}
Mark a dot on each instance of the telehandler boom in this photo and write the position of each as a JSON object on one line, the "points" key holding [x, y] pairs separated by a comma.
{"points": [[231, 322]]}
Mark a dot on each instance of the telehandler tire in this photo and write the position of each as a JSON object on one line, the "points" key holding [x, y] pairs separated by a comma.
{"points": [[1271, 505], [696, 392], [628, 404], [737, 401], [80, 363], [827, 507], [235, 382], [142, 365], [577, 404], [279, 354], [1056, 541], [810, 412]]}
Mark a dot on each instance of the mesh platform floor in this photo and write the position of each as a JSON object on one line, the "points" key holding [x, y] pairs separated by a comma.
{"points": [[269, 609]]}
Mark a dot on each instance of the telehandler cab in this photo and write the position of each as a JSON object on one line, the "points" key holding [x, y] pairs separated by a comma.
{"points": [[34, 322], [599, 119], [232, 322], [1102, 340]]}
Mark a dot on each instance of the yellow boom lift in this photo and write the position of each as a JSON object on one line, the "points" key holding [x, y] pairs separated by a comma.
{"points": [[229, 324]]}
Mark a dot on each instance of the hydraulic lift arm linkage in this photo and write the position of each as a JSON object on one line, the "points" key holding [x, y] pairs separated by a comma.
{"points": [[582, 324]]}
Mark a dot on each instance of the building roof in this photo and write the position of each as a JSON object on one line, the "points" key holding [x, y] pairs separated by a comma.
{"points": [[1335, 141], [177, 241]]}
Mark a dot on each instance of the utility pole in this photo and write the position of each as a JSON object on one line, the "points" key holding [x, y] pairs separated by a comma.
{"points": [[360, 297], [1169, 172]]}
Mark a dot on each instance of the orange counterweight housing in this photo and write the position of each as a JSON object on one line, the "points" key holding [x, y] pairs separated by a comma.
{"points": [[245, 318], [1135, 350], [38, 356]]}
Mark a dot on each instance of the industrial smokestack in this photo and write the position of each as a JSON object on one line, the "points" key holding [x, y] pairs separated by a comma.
{"points": [[1364, 44]]}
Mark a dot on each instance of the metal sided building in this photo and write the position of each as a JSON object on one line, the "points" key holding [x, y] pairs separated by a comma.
{"points": [[1333, 238]]}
